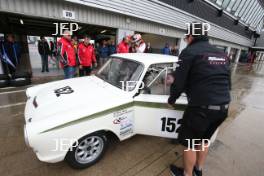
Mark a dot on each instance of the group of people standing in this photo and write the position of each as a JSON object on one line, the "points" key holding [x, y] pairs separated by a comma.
{"points": [[168, 50], [132, 44], [81, 57], [75, 55], [72, 54], [84, 56]]}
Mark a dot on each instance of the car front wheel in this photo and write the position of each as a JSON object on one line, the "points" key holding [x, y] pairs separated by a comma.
{"points": [[88, 151]]}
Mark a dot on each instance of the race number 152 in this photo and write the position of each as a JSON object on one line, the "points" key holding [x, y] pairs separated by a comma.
{"points": [[169, 124]]}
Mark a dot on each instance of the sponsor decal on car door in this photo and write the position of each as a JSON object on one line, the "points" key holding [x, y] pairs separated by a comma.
{"points": [[124, 119]]}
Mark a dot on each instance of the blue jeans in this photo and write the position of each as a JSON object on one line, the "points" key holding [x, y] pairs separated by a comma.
{"points": [[69, 72]]}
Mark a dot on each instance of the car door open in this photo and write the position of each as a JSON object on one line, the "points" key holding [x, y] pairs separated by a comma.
{"points": [[153, 115]]}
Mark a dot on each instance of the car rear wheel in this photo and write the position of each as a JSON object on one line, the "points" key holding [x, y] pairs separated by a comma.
{"points": [[88, 151]]}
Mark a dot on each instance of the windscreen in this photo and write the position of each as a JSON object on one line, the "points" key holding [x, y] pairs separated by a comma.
{"points": [[121, 73]]}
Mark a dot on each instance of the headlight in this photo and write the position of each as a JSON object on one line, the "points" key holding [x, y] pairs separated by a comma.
{"points": [[26, 136]]}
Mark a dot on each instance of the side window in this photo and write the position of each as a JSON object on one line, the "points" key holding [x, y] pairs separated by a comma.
{"points": [[154, 80]]}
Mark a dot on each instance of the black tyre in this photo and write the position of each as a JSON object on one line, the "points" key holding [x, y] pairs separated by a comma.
{"points": [[89, 150], [3, 81], [22, 75], [16, 82]]}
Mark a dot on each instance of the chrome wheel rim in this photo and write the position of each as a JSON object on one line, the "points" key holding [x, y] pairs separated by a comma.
{"points": [[89, 149]]}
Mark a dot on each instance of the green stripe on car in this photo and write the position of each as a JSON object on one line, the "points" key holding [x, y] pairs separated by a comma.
{"points": [[118, 108], [159, 105]]}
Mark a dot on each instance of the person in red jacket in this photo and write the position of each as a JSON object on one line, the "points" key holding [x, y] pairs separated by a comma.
{"points": [[123, 47], [67, 55], [86, 56]]}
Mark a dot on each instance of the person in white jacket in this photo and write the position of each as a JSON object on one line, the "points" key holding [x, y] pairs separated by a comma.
{"points": [[139, 43]]}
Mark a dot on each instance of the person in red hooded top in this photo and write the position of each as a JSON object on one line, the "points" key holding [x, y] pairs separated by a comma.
{"points": [[67, 55], [123, 47], [86, 56]]}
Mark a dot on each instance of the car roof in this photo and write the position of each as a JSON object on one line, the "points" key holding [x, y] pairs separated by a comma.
{"points": [[147, 58]]}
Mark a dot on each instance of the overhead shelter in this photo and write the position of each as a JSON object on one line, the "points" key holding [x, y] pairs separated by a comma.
{"points": [[148, 16], [248, 12]]}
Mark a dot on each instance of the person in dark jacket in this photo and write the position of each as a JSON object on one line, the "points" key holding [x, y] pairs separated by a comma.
{"points": [[53, 54], [148, 48], [103, 52], [175, 51], [52, 49], [112, 48], [204, 75], [44, 51], [166, 50], [11, 54]]}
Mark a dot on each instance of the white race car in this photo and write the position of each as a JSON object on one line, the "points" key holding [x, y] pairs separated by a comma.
{"points": [[69, 119]]}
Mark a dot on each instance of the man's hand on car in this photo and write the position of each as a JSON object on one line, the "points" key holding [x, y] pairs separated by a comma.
{"points": [[170, 106]]}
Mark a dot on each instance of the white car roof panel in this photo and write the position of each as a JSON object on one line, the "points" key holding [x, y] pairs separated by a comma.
{"points": [[147, 58]]}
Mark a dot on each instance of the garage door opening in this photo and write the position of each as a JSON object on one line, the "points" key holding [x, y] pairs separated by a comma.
{"points": [[158, 42], [28, 31]]}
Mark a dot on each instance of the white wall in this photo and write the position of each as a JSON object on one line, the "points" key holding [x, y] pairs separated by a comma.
{"points": [[227, 44], [158, 41]]}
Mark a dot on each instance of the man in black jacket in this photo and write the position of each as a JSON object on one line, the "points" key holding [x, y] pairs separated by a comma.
{"points": [[204, 75], [44, 51]]}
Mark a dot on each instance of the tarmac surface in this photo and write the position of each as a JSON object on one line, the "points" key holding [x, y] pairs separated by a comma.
{"points": [[238, 150]]}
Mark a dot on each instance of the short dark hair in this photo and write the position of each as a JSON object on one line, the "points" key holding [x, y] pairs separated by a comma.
{"points": [[41, 37], [86, 36]]}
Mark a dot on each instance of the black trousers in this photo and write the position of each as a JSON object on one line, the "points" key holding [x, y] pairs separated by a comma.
{"points": [[45, 63], [85, 71]]}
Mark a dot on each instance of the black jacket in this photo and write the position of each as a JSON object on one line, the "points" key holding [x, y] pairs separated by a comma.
{"points": [[148, 50], [43, 48], [203, 74]]}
